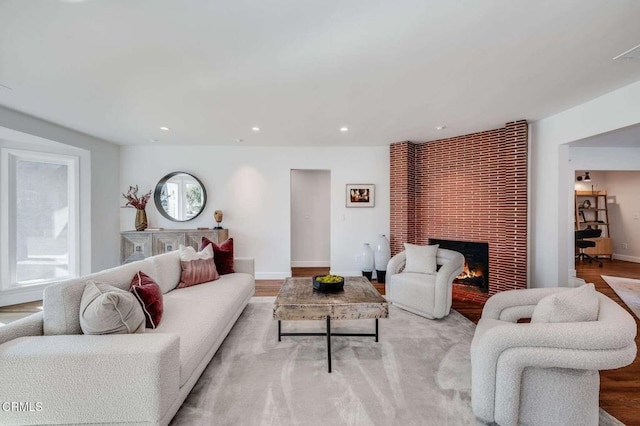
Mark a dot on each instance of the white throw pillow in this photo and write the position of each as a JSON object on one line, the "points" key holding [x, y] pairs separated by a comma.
{"points": [[421, 259], [189, 253], [575, 305], [106, 309]]}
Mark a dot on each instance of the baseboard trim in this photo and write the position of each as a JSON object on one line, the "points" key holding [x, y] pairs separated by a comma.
{"points": [[626, 258], [272, 275], [310, 264]]}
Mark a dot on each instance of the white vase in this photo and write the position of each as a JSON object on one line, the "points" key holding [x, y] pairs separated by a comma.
{"points": [[383, 253], [366, 258]]}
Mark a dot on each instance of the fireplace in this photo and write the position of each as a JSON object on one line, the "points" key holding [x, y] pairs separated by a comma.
{"points": [[476, 264]]}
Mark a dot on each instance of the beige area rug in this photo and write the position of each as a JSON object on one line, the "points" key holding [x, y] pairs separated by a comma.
{"points": [[628, 290], [418, 374]]}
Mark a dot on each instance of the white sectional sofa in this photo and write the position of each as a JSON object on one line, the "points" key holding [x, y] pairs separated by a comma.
{"points": [[50, 373]]}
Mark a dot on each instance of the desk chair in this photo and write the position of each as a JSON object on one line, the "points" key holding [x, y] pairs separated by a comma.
{"points": [[581, 243]]}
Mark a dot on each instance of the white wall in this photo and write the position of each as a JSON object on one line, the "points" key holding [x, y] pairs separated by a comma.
{"points": [[624, 214], [252, 186], [310, 218], [104, 188], [552, 179]]}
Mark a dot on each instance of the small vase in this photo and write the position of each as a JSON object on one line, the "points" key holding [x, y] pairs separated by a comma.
{"points": [[141, 220], [366, 260], [382, 256]]}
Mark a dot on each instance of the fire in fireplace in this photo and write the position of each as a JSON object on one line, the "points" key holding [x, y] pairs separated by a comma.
{"points": [[476, 265]]}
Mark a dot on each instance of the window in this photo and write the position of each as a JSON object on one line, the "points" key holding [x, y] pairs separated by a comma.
{"points": [[40, 217]]}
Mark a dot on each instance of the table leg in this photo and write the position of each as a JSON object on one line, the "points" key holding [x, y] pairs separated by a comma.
{"points": [[329, 342], [279, 330], [376, 329]]}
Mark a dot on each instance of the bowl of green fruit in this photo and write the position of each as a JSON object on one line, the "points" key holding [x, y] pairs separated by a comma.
{"points": [[328, 283]]}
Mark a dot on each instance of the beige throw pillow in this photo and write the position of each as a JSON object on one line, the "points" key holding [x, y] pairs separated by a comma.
{"points": [[421, 259], [575, 305], [106, 309]]}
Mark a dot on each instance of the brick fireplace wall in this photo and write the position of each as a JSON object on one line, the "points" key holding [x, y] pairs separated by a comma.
{"points": [[469, 188]]}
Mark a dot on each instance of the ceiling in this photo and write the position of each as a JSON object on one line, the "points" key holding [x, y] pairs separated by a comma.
{"points": [[625, 137], [301, 69]]}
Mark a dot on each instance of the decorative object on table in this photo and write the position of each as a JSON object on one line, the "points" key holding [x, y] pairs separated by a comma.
{"points": [[361, 195], [141, 220], [139, 203], [381, 257], [217, 216], [180, 196], [366, 261], [328, 283]]}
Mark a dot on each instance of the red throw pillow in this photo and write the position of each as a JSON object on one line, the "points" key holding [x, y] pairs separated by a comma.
{"points": [[222, 255], [197, 268], [149, 295]]}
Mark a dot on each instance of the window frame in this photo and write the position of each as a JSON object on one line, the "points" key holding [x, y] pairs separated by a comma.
{"points": [[8, 214]]}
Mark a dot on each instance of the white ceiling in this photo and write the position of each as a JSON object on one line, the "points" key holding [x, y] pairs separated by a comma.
{"points": [[301, 69], [626, 137]]}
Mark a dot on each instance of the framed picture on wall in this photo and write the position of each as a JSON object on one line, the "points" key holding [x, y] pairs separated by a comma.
{"points": [[361, 195]]}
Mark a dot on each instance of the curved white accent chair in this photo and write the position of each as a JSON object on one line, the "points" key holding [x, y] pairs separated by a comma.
{"points": [[545, 373], [427, 295]]}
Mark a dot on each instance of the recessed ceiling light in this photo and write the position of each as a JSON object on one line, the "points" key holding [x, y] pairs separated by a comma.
{"points": [[344, 129], [255, 129], [166, 129], [441, 127]]}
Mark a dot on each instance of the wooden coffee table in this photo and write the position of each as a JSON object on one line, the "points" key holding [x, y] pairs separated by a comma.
{"points": [[298, 300]]}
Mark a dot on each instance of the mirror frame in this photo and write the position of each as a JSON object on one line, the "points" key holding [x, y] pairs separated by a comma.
{"points": [[158, 192]]}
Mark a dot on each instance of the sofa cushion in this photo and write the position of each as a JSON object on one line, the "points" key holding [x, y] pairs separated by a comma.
{"points": [[575, 305], [61, 304], [149, 295], [105, 309], [201, 314], [168, 270], [421, 259], [222, 254], [197, 268]]}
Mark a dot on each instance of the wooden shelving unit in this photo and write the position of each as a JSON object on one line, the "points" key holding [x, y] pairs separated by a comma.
{"points": [[591, 210]]}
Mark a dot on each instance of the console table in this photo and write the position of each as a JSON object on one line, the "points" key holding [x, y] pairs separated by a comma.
{"points": [[137, 245]]}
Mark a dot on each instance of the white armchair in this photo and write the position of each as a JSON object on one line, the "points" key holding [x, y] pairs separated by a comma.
{"points": [[427, 295], [544, 373]]}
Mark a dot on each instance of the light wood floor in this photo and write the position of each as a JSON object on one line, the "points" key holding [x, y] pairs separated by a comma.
{"points": [[619, 389]]}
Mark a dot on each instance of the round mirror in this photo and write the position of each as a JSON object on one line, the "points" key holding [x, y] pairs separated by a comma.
{"points": [[180, 196]]}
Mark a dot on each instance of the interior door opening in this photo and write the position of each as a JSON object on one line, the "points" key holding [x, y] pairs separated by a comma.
{"points": [[310, 222]]}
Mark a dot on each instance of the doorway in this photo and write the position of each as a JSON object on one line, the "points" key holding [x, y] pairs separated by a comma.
{"points": [[310, 222], [617, 214]]}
